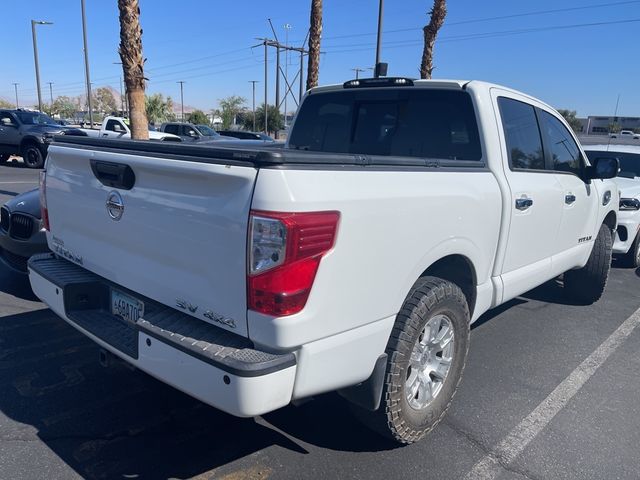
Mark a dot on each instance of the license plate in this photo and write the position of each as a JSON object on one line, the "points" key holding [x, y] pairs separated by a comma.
{"points": [[126, 307]]}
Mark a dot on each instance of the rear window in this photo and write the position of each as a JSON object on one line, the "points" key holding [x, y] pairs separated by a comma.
{"points": [[410, 122]]}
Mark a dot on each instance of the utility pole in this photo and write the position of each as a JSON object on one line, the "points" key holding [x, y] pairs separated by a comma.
{"points": [[253, 87], [51, 93], [35, 57], [379, 43], [15, 86], [358, 70], [266, 43], [181, 82], [287, 27], [266, 78], [86, 63]]}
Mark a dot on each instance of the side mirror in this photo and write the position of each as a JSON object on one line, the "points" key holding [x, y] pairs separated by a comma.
{"points": [[6, 122], [604, 167], [193, 134]]}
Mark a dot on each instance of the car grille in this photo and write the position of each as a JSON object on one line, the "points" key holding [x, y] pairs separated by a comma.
{"points": [[21, 226], [15, 261], [4, 219]]}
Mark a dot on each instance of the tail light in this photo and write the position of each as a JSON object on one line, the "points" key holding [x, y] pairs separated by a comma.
{"points": [[285, 250], [44, 212]]}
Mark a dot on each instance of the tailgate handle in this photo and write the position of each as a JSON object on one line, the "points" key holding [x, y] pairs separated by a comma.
{"points": [[115, 175]]}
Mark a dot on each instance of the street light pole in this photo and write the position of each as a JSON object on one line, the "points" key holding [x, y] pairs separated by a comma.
{"points": [[124, 105], [35, 57], [253, 86], [181, 82], [15, 86], [379, 43], [86, 63]]}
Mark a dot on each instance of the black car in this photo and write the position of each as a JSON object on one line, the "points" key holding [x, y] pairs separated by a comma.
{"points": [[244, 135], [28, 133], [21, 233]]}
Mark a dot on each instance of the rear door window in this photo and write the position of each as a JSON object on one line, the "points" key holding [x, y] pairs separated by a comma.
{"points": [[524, 143], [404, 122], [173, 129]]}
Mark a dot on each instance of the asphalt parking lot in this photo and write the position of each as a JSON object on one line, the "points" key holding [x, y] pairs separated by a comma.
{"points": [[550, 391]]}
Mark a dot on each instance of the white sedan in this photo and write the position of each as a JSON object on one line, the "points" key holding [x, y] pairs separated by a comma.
{"points": [[627, 241]]}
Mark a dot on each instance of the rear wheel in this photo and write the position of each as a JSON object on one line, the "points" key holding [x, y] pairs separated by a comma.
{"points": [[586, 285], [632, 257], [32, 156], [426, 354]]}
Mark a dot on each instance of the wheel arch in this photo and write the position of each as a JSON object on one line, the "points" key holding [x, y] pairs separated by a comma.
{"points": [[611, 220], [30, 140], [457, 269]]}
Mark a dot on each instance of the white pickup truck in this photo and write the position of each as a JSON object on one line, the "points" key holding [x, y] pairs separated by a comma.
{"points": [[353, 259], [117, 127]]}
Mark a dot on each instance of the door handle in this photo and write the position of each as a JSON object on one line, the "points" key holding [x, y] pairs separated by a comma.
{"points": [[569, 199], [523, 203]]}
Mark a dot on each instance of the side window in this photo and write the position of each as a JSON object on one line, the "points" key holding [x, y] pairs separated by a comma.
{"points": [[565, 154], [114, 126], [172, 128], [522, 134], [7, 120]]}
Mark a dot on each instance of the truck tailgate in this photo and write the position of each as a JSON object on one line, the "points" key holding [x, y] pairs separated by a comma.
{"points": [[180, 240]]}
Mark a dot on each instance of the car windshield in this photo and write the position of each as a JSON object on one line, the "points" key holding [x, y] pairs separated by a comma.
{"points": [[35, 118], [207, 131], [629, 162]]}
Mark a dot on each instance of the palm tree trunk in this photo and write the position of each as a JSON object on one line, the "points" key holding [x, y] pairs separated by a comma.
{"points": [[438, 12], [315, 33], [133, 66]]}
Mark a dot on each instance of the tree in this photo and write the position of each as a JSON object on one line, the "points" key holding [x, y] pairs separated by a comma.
{"points": [[104, 101], [275, 119], [5, 104], [158, 109], [430, 32], [198, 117], [570, 117], [315, 32], [130, 51], [63, 106], [230, 107]]}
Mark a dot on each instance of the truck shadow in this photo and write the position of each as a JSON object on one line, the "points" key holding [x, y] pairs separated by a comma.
{"points": [[115, 422], [15, 284]]}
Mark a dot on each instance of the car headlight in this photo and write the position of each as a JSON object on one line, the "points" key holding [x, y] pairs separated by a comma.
{"points": [[629, 204]]}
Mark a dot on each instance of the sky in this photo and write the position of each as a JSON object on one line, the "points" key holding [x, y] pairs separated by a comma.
{"points": [[575, 54]]}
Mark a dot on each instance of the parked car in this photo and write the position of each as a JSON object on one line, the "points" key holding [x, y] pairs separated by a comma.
{"points": [[626, 244], [118, 127], [189, 132], [21, 232], [28, 133], [353, 259], [625, 134], [244, 135]]}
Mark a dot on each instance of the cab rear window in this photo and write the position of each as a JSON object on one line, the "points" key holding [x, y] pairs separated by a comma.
{"points": [[407, 122]]}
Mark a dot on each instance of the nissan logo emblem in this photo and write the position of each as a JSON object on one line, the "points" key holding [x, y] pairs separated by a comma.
{"points": [[115, 206]]}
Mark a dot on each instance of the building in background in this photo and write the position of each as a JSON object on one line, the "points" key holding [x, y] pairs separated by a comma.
{"points": [[602, 125]]}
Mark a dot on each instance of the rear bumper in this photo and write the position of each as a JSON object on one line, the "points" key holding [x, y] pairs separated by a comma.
{"points": [[215, 366]]}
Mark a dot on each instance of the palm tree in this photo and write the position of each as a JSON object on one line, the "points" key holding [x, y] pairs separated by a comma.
{"points": [[437, 13], [133, 66], [315, 33]]}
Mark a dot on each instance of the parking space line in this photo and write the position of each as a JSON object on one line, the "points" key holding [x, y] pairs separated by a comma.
{"points": [[517, 440]]}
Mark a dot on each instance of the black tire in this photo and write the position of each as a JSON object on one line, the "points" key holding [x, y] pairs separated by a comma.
{"points": [[586, 285], [32, 155], [396, 418], [631, 259]]}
